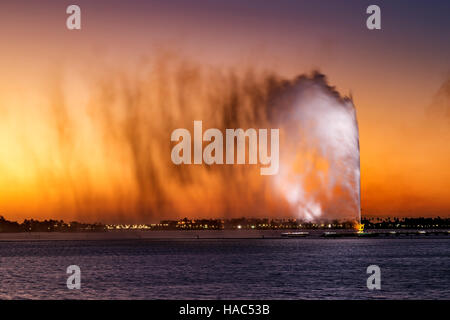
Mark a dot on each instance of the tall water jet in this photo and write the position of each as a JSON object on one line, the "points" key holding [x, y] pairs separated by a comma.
{"points": [[320, 158]]}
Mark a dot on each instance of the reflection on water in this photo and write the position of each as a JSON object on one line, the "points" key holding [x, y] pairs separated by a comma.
{"points": [[227, 269]]}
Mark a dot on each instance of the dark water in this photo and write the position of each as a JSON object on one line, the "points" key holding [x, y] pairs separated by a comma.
{"points": [[413, 268]]}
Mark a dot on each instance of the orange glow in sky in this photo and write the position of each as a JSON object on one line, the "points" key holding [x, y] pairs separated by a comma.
{"points": [[51, 165]]}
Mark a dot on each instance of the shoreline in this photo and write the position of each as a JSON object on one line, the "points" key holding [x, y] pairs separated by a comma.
{"points": [[219, 235]]}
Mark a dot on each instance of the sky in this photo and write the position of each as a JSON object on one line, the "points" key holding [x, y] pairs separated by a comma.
{"points": [[394, 76]]}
